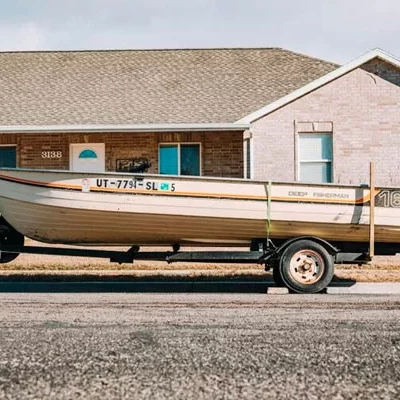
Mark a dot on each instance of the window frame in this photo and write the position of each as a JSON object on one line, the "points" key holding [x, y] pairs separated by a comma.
{"points": [[15, 146], [178, 144], [247, 158], [326, 161]]}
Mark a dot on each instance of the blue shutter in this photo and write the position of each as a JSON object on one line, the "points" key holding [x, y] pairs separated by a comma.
{"points": [[8, 157], [169, 159]]}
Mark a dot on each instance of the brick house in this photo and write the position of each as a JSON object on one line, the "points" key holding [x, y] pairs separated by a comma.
{"points": [[267, 114], [330, 129]]}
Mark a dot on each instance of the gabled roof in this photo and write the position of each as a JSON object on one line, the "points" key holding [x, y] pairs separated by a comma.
{"points": [[135, 87], [335, 74]]}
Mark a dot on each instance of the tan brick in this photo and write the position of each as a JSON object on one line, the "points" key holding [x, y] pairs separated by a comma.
{"points": [[363, 109]]}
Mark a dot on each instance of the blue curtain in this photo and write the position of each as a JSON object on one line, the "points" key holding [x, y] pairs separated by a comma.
{"points": [[190, 159]]}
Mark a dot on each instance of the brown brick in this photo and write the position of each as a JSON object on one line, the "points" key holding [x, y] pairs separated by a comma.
{"points": [[217, 148]]}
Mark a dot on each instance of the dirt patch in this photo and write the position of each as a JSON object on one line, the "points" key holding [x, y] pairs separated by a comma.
{"points": [[183, 275], [132, 275], [368, 275]]}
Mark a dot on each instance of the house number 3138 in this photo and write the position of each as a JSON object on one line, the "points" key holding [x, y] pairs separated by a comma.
{"points": [[51, 154]]}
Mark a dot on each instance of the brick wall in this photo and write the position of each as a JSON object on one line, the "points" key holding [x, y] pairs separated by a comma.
{"points": [[363, 110], [222, 152]]}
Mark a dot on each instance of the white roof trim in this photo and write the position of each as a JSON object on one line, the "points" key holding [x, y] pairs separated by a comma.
{"points": [[376, 53], [124, 128]]}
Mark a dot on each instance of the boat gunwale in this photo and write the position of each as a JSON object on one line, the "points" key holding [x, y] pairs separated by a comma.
{"points": [[190, 178]]}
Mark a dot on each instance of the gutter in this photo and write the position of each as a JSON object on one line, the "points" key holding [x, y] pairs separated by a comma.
{"points": [[128, 128]]}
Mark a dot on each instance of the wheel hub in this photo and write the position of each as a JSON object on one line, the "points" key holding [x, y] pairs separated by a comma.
{"points": [[306, 266]]}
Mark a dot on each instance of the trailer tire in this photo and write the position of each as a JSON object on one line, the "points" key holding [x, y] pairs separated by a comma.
{"points": [[306, 267], [276, 275], [9, 236]]}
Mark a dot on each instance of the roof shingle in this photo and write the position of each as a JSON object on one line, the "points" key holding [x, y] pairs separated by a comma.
{"points": [[148, 86]]}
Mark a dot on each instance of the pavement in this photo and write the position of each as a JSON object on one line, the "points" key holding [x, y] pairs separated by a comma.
{"points": [[199, 346]]}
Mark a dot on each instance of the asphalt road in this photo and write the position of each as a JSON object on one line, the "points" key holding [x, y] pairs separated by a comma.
{"points": [[199, 346]]}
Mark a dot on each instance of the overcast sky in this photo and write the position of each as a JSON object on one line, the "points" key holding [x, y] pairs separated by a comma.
{"points": [[334, 30]]}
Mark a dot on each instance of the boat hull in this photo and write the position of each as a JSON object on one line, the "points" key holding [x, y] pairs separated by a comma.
{"points": [[70, 208]]}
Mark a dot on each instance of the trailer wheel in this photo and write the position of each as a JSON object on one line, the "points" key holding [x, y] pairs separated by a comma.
{"points": [[306, 267], [9, 236]]}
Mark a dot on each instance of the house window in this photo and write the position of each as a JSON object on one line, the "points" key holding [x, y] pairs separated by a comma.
{"points": [[87, 153], [8, 157], [179, 159], [315, 157]]}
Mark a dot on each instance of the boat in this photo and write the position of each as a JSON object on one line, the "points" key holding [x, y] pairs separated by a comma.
{"points": [[143, 209]]}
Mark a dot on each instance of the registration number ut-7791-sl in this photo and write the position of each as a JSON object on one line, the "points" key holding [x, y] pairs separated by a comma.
{"points": [[134, 184]]}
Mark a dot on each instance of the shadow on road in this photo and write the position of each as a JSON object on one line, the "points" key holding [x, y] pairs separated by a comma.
{"points": [[18, 283]]}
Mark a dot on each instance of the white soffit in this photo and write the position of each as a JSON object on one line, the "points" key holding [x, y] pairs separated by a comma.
{"points": [[376, 53]]}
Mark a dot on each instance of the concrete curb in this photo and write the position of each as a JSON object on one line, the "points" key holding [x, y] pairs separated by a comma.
{"points": [[366, 288]]}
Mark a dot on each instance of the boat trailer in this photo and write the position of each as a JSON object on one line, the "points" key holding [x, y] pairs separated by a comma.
{"points": [[303, 264]]}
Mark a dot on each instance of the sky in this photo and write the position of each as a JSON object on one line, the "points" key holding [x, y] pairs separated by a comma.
{"points": [[333, 30]]}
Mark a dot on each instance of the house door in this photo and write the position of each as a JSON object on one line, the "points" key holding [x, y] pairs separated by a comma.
{"points": [[87, 157], [8, 157]]}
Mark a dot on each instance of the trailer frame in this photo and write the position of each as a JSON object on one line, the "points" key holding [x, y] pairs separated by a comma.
{"points": [[300, 256]]}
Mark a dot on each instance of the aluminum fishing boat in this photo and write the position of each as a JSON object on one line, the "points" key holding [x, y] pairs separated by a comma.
{"points": [[125, 209]]}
